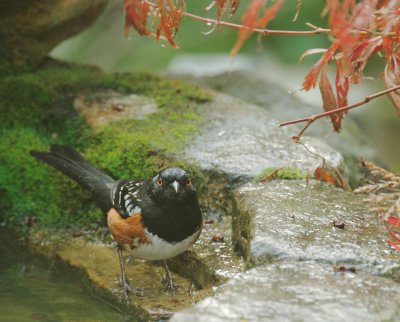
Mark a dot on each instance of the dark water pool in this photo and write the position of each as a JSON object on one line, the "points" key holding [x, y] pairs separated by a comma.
{"points": [[32, 290]]}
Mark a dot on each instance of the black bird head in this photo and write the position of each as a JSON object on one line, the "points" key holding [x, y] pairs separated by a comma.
{"points": [[172, 185]]}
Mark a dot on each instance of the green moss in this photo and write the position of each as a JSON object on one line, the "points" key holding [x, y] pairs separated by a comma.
{"points": [[37, 190], [280, 173], [42, 99], [36, 110], [132, 149]]}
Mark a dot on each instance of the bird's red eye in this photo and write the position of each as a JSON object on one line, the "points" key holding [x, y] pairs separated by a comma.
{"points": [[188, 182], [159, 181]]}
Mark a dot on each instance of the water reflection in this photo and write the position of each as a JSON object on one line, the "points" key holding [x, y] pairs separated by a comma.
{"points": [[32, 290]]}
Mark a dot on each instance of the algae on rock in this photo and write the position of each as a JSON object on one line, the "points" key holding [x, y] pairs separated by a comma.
{"points": [[37, 110]]}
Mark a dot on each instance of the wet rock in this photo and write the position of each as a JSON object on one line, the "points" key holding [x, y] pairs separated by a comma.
{"points": [[250, 87], [97, 262], [299, 291], [30, 29], [104, 107], [210, 264], [241, 140], [288, 219], [200, 271], [283, 106]]}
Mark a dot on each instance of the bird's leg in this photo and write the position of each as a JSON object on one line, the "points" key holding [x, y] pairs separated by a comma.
{"points": [[124, 281], [167, 280]]}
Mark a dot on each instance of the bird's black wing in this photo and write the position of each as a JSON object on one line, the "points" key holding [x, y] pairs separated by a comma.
{"points": [[127, 197]]}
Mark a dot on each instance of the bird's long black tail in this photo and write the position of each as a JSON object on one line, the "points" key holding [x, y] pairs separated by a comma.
{"points": [[73, 165]]}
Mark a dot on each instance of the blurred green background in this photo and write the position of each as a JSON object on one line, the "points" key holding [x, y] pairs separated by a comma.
{"points": [[105, 45]]}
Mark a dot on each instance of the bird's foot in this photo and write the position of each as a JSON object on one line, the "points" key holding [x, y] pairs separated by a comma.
{"points": [[128, 288], [169, 284], [167, 281]]}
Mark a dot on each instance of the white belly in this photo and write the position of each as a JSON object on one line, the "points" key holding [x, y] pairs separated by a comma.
{"points": [[160, 249]]}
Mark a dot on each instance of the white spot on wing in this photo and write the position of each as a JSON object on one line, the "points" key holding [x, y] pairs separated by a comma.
{"points": [[133, 210], [137, 209]]}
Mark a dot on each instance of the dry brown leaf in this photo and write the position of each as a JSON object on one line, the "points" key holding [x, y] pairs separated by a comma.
{"points": [[312, 51], [296, 15], [137, 13], [392, 79], [329, 99], [223, 5], [169, 14], [323, 175]]}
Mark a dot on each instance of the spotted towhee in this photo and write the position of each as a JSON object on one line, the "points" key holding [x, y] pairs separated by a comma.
{"points": [[155, 219]]}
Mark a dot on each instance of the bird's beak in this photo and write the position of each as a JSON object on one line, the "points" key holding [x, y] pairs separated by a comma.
{"points": [[175, 184]]}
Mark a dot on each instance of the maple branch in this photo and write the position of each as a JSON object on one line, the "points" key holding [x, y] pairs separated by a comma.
{"points": [[315, 30], [258, 30], [216, 22], [313, 118], [361, 32]]}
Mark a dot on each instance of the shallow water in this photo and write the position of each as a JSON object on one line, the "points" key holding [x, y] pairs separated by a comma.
{"points": [[32, 290]]}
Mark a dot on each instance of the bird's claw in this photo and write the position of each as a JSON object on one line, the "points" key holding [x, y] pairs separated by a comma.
{"points": [[169, 284], [167, 280], [128, 288]]}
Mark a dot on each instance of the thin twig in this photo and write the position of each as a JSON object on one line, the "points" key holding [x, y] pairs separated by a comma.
{"points": [[315, 30], [298, 136], [238, 26], [258, 30], [312, 118], [360, 32]]}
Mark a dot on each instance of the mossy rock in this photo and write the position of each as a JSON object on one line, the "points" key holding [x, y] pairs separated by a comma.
{"points": [[37, 110], [29, 30], [280, 173]]}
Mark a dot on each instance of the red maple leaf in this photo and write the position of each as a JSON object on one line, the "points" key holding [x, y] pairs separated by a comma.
{"points": [[169, 14], [251, 20], [395, 242], [392, 79], [137, 13], [342, 85], [223, 5], [323, 175], [393, 221], [329, 99], [360, 55], [312, 77]]}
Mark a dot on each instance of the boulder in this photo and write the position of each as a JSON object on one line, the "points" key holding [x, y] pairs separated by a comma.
{"points": [[241, 140], [299, 291], [290, 219], [30, 29]]}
